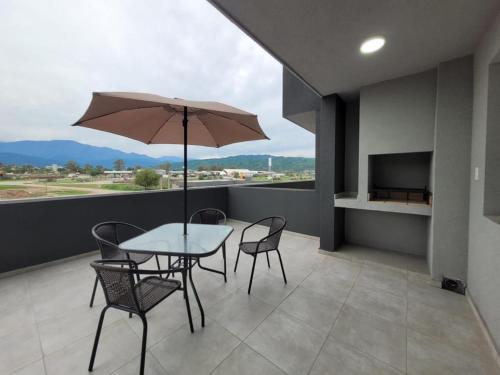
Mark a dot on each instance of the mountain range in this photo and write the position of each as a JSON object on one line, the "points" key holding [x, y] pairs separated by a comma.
{"points": [[253, 162], [43, 153]]}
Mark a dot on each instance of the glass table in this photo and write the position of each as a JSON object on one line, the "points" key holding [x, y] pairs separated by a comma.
{"points": [[201, 241]]}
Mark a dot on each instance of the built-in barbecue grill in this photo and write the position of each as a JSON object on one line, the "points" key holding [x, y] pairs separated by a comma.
{"points": [[395, 194]]}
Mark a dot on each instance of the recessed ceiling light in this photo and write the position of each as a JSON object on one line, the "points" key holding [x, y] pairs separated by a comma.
{"points": [[372, 45]]}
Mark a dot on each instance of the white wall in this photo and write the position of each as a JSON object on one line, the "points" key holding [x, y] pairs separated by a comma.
{"points": [[484, 234]]}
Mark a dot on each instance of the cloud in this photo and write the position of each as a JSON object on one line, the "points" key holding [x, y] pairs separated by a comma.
{"points": [[56, 53]]}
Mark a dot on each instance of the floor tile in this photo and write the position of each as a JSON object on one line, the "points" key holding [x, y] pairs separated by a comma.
{"points": [[198, 353], [285, 326], [340, 269], [14, 292], [383, 304], [322, 283], [165, 318], [456, 330], [117, 345], [19, 348], [424, 293], [270, 289], [315, 309], [16, 317], [287, 342], [151, 367], [35, 368], [432, 356], [372, 335], [340, 359], [57, 333], [245, 361], [240, 313], [385, 278]]}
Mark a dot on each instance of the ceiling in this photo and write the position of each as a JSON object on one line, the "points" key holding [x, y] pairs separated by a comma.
{"points": [[319, 40]]}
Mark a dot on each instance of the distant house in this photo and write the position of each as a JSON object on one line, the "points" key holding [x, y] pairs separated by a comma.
{"points": [[242, 173], [118, 174]]}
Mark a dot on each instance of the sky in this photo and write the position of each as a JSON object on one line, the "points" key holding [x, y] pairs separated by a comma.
{"points": [[54, 54]]}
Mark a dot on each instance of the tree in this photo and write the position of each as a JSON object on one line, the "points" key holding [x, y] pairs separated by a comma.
{"points": [[165, 166], [97, 170], [119, 165], [87, 169], [147, 178], [72, 166]]}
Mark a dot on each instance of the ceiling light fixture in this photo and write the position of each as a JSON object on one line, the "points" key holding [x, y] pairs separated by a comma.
{"points": [[372, 45]]}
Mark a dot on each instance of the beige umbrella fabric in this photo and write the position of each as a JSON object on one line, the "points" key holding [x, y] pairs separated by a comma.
{"points": [[154, 119]]}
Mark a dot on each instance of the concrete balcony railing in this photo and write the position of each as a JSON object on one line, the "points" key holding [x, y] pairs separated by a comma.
{"points": [[38, 231]]}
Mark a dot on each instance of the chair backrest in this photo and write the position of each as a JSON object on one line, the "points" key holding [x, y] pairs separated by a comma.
{"points": [[277, 224], [110, 234], [212, 216], [117, 283]]}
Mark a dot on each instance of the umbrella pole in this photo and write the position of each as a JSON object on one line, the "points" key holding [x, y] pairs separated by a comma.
{"points": [[185, 125]]}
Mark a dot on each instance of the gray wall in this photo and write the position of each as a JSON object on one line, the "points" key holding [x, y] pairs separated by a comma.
{"points": [[39, 231], [450, 209], [249, 203], [300, 103], [386, 230], [351, 145], [484, 234], [396, 116], [330, 155], [492, 162]]}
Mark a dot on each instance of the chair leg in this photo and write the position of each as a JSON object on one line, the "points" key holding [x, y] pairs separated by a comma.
{"points": [[144, 339], [237, 258], [251, 275], [267, 256], [184, 287], [96, 340], [224, 256], [282, 269], [158, 264], [93, 292]]}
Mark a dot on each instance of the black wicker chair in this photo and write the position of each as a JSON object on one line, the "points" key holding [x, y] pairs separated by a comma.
{"points": [[123, 292], [211, 216], [108, 236], [264, 245]]}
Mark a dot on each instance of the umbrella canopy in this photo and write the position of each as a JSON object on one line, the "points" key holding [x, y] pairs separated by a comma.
{"points": [[153, 119]]}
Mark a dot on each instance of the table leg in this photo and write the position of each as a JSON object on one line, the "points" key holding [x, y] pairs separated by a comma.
{"points": [[186, 298], [196, 295]]}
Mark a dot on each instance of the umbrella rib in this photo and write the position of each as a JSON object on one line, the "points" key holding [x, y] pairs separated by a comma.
{"points": [[161, 127], [114, 112], [229, 118]]}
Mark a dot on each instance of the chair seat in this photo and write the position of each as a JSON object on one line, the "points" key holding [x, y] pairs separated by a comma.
{"points": [[251, 247], [152, 290], [138, 258]]}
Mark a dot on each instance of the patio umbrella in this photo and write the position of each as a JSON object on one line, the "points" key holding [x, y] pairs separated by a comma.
{"points": [[153, 119]]}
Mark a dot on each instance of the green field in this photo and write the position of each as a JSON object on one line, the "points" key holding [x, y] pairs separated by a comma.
{"points": [[68, 192], [11, 187], [121, 187]]}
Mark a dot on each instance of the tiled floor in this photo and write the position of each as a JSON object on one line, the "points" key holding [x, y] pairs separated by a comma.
{"points": [[342, 314]]}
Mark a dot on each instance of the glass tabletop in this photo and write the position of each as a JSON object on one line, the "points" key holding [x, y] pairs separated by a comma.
{"points": [[201, 240]]}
